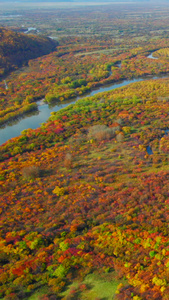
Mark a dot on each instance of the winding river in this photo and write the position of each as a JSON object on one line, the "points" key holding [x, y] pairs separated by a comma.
{"points": [[34, 120]]}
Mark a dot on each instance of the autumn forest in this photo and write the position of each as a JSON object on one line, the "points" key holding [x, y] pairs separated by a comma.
{"points": [[84, 198]]}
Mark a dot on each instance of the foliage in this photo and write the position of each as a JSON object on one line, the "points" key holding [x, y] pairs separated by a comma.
{"points": [[81, 195], [85, 203]]}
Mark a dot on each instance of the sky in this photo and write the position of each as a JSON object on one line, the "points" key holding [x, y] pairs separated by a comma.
{"points": [[22, 1]]}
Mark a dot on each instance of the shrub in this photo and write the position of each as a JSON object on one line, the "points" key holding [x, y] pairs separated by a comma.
{"points": [[68, 161], [120, 137], [59, 191], [100, 132], [30, 172]]}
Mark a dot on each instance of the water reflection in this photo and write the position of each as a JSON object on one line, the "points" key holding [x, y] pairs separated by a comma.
{"points": [[31, 120], [35, 119], [151, 56], [149, 150]]}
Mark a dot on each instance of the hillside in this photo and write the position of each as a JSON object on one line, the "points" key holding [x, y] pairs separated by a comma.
{"points": [[77, 67], [17, 49], [82, 195], [84, 198]]}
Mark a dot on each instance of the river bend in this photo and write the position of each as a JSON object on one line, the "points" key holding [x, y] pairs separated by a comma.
{"points": [[34, 120]]}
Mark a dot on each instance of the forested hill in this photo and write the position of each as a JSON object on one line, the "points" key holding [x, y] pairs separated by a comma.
{"points": [[16, 49]]}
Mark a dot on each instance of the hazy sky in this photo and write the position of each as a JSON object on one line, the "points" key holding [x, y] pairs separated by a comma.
{"points": [[21, 1]]}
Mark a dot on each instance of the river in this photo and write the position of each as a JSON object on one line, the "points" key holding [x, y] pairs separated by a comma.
{"points": [[34, 120]]}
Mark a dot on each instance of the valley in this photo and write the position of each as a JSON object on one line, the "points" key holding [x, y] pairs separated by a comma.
{"points": [[84, 184]]}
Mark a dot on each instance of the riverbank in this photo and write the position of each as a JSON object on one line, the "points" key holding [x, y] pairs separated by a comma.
{"points": [[44, 110], [20, 120]]}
